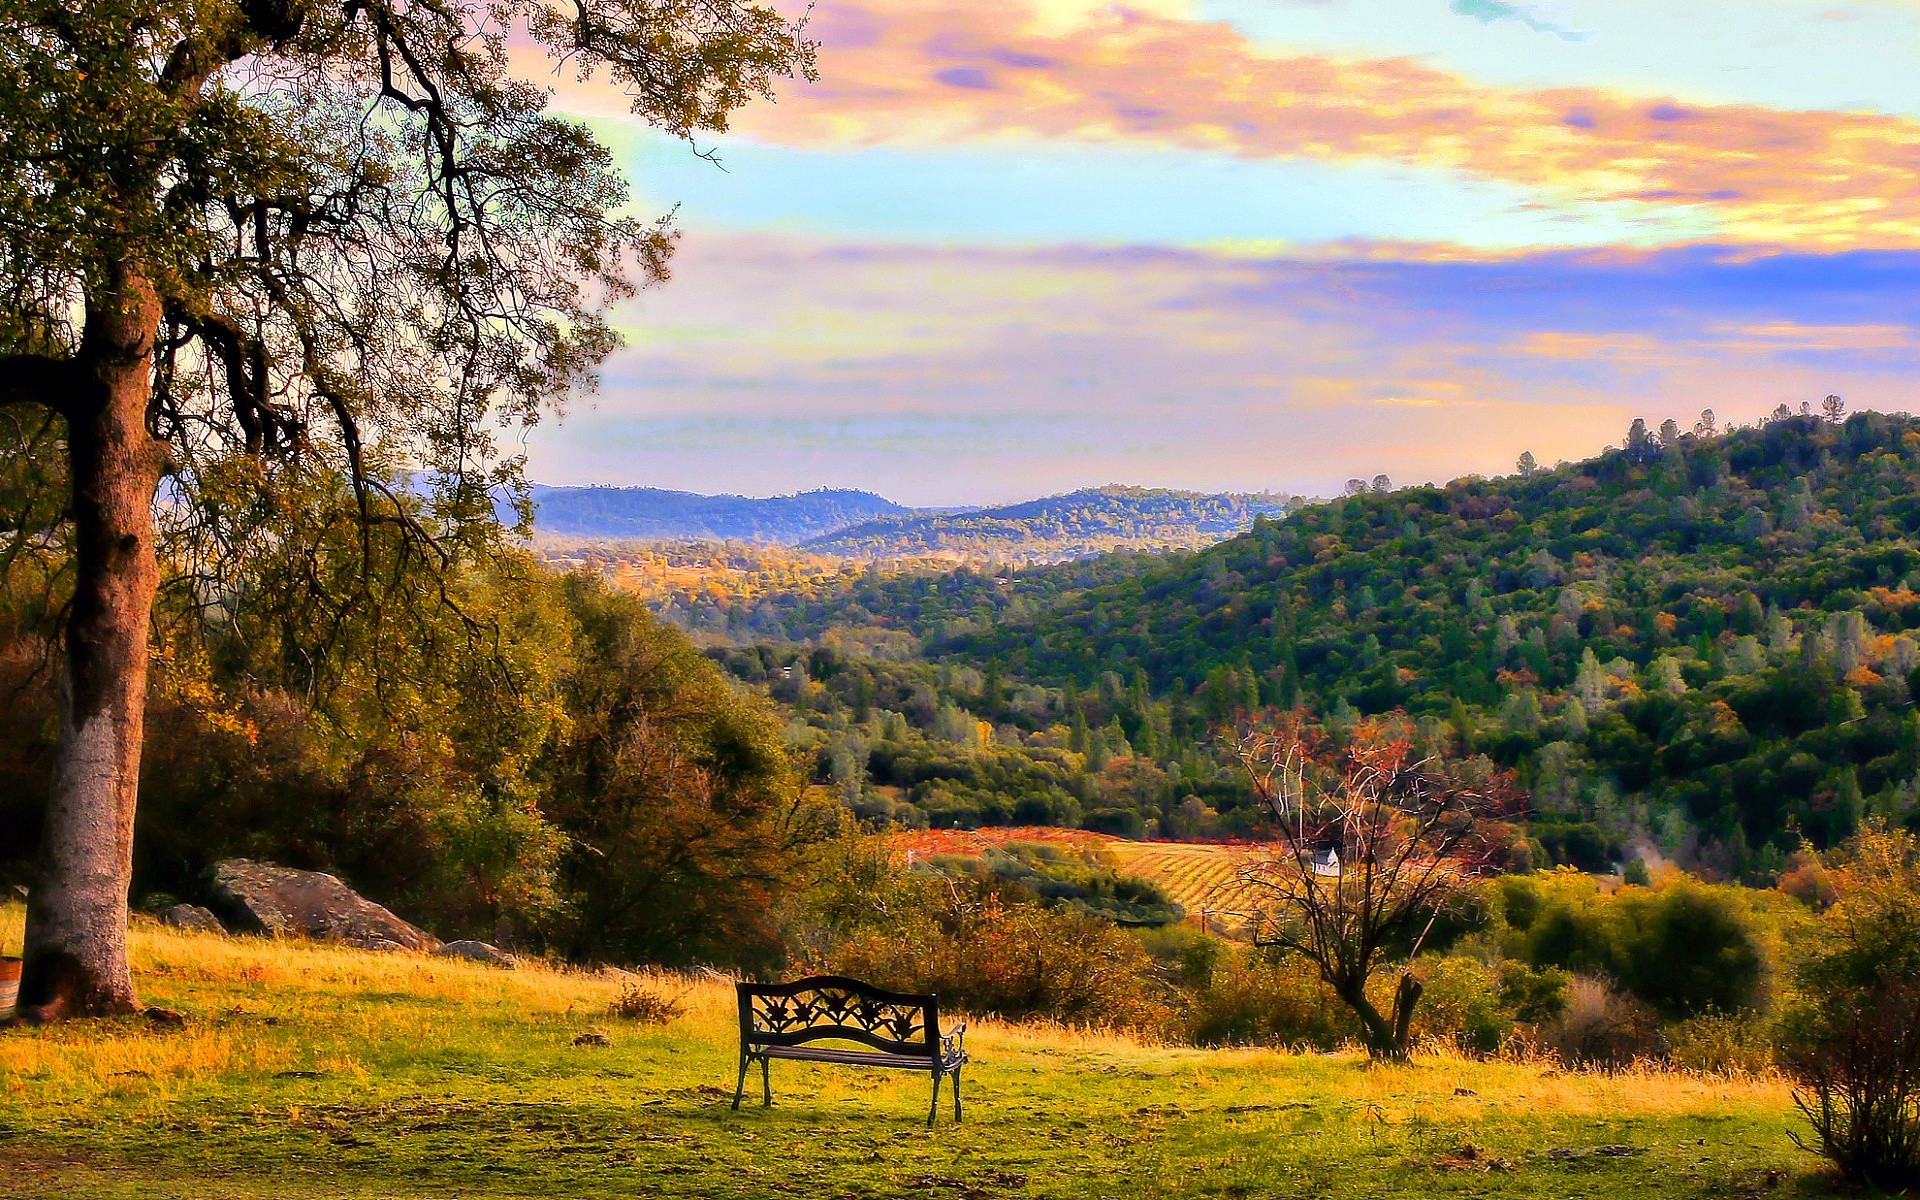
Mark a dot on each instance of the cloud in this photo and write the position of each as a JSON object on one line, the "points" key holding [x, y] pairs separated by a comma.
{"points": [[1489, 11], [931, 72], [968, 373]]}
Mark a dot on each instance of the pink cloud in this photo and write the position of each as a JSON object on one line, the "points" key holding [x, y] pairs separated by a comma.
{"points": [[939, 72]]}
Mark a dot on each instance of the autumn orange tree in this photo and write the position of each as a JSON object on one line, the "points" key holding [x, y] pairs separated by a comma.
{"points": [[1372, 844], [248, 245]]}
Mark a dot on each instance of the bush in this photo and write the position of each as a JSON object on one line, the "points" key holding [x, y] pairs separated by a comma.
{"points": [[1533, 994], [1014, 961], [1860, 1068], [1250, 1000], [1853, 1042], [1462, 1005], [1601, 1027], [1688, 949], [1685, 948], [635, 1003], [1722, 1044], [1186, 956]]}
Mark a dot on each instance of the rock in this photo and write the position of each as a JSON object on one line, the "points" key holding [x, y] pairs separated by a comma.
{"points": [[480, 952], [257, 897], [192, 916]]}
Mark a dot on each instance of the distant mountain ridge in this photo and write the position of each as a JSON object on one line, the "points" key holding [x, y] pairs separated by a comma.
{"points": [[856, 524], [1056, 528], [656, 513]]}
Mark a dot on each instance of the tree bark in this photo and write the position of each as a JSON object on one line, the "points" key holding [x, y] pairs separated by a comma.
{"points": [[1387, 1038], [1374, 1029], [1406, 995], [76, 936]]}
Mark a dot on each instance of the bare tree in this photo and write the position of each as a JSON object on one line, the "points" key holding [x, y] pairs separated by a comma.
{"points": [[1371, 846], [1707, 426], [1835, 409], [1527, 464]]}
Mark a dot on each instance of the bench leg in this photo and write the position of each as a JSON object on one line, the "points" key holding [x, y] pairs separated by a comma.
{"points": [[933, 1110], [956, 1097], [740, 1085], [766, 1083]]}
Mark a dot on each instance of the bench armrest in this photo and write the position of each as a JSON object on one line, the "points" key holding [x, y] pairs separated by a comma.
{"points": [[950, 1042]]}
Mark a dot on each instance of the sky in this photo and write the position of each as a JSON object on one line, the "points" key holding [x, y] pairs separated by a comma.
{"points": [[1007, 248]]}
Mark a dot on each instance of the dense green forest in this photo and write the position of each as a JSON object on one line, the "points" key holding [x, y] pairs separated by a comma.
{"points": [[1696, 647]]}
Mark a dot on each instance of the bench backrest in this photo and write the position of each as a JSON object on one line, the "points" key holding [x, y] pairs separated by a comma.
{"points": [[834, 1006]]}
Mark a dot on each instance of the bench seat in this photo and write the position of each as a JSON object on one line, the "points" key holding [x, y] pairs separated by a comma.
{"points": [[789, 1021], [858, 1058]]}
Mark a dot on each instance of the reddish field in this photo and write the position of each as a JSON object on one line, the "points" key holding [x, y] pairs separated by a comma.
{"points": [[973, 841]]}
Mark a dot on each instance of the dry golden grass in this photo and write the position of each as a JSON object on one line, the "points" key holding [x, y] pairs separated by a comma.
{"points": [[359, 1073]]}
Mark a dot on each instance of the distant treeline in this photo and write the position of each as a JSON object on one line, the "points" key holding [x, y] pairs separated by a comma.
{"points": [[1057, 528]]}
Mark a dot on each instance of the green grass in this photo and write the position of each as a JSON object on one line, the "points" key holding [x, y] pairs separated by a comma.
{"points": [[319, 1072]]}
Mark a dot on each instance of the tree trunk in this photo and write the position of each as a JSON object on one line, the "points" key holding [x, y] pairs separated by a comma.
{"points": [[1405, 996], [1387, 1038], [76, 936], [1374, 1028]]}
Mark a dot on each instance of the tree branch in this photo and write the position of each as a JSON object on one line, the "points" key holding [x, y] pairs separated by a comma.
{"points": [[41, 379]]}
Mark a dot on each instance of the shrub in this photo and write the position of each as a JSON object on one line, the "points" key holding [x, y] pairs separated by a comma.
{"points": [[1860, 1068], [1251, 1000], [1853, 1042], [1688, 949], [1185, 956], [1685, 948], [1462, 1005], [1533, 994], [1015, 961], [1601, 1027], [635, 1003], [1722, 1044]]}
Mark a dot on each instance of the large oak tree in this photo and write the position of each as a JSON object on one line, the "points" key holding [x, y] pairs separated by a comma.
{"points": [[246, 242]]}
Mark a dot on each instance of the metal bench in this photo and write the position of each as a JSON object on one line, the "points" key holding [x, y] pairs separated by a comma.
{"points": [[783, 1020]]}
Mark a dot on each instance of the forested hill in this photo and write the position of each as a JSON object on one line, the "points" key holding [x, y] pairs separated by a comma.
{"points": [[1700, 648], [1057, 528], [1713, 629], [654, 513]]}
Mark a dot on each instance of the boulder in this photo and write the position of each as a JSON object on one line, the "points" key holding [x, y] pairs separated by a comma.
{"points": [[257, 897], [480, 952], [192, 916]]}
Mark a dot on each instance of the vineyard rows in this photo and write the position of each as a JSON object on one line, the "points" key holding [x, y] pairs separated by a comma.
{"points": [[1198, 877]]}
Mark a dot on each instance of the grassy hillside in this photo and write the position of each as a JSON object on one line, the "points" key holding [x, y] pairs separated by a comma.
{"points": [[324, 1072], [1056, 528]]}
